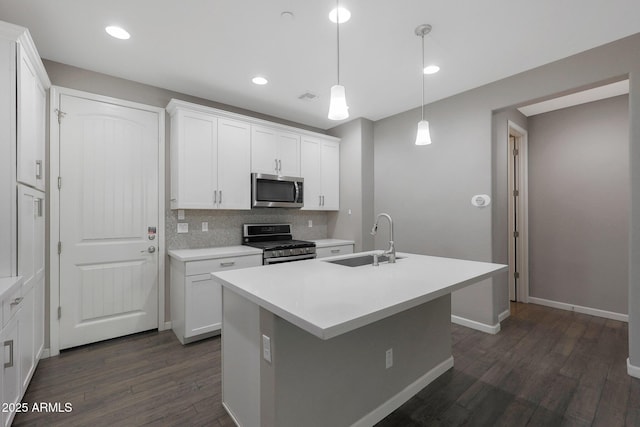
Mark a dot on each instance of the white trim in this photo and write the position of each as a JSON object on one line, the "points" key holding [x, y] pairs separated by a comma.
{"points": [[166, 327], [407, 393], [634, 371], [482, 327], [54, 205], [46, 353], [580, 309], [175, 104], [504, 315], [523, 209]]}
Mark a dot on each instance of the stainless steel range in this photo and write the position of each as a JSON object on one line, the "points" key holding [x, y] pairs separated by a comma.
{"points": [[277, 243]]}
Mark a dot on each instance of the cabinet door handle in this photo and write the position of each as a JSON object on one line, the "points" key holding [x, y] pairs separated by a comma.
{"points": [[38, 169], [322, 200], [279, 165], [319, 200], [220, 201], [38, 203], [227, 264], [9, 344], [276, 160], [17, 301], [215, 196], [335, 251]]}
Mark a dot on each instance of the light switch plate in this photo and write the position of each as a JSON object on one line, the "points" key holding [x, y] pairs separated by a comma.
{"points": [[310, 223], [180, 214], [205, 226], [183, 227]]}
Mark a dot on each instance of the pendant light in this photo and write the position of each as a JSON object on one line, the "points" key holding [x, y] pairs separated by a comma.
{"points": [[423, 137], [338, 109]]}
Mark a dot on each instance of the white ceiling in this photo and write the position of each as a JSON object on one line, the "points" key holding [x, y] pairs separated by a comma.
{"points": [[212, 48]]}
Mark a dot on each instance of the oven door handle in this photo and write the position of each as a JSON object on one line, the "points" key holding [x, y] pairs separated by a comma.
{"points": [[277, 260]]}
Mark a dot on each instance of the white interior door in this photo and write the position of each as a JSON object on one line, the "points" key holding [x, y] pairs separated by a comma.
{"points": [[108, 216]]}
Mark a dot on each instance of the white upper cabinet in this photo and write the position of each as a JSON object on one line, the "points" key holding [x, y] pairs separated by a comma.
{"points": [[320, 167], [234, 163], [31, 122], [274, 151], [210, 160]]}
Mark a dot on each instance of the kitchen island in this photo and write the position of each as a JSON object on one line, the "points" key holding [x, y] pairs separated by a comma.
{"points": [[317, 343]]}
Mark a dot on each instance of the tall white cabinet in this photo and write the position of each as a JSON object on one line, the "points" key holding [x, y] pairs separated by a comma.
{"points": [[23, 84]]}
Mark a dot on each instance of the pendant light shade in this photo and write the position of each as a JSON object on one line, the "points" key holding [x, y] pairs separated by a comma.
{"points": [[423, 137], [338, 109]]}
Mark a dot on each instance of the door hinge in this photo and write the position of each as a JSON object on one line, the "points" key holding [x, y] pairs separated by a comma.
{"points": [[59, 248], [516, 234], [516, 193], [59, 312], [60, 115], [516, 275], [515, 151]]}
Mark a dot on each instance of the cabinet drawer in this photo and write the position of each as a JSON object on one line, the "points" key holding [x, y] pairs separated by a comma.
{"points": [[334, 251], [221, 264], [11, 304]]}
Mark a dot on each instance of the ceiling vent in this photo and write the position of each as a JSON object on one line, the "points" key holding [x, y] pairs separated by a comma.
{"points": [[308, 96]]}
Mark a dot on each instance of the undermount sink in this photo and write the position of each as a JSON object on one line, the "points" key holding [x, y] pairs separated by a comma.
{"points": [[360, 260]]}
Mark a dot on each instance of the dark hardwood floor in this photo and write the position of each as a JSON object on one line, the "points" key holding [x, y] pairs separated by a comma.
{"points": [[547, 367]]}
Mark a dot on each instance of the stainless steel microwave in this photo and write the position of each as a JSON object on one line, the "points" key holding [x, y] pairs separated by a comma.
{"points": [[275, 191]]}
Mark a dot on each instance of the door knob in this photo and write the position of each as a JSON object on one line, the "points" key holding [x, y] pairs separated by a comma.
{"points": [[150, 249]]}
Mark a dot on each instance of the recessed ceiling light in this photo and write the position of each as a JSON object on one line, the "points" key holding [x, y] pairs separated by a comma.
{"points": [[260, 80], [117, 32], [345, 15], [431, 69]]}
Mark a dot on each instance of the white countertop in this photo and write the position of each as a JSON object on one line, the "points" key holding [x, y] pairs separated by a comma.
{"points": [[323, 243], [213, 253], [328, 300]]}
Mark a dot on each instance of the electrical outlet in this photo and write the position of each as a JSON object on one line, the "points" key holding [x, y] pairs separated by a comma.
{"points": [[180, 214], [388, 362], [183, 227], [310, 223], [205, 226], [266, 348]]}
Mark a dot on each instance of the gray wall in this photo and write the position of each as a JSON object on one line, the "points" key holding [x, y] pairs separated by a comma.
{"points": [[428, 189], [356, 184], [634, 218], [579, 203]]}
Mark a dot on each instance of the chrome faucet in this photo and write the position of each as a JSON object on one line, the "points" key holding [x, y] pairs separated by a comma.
{"points": [[391, 252]]}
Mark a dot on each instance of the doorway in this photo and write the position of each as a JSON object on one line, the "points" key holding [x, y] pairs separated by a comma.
{"points": [[107, 218], [518, 208]]}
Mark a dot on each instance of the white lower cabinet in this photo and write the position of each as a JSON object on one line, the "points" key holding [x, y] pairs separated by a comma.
{"points": [[11, 389], [196, 299], [323, 252]]}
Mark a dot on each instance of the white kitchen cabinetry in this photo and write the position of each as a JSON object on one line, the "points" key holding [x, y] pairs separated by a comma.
{"points": [[31, 235], [320, 167], [196, 299], [334, 250], [11, 303], [274, 151], [30, 122], [210, 160], [23, 84]]}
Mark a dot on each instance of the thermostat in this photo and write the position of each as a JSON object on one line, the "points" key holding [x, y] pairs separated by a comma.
{"points": [[481, 200]]}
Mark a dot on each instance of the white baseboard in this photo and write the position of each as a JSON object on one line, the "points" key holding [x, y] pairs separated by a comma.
{"points": [[579, 309], [166, 327], [482, 327], [504, 315], [46, 353], [634, 371], [399, 399]]}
